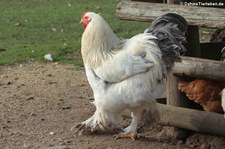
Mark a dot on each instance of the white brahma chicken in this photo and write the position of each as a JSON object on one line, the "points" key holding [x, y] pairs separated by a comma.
{"points": [[128, 74]]}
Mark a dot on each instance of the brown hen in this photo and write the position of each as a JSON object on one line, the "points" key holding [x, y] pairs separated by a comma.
{"points": [[204, 92]]}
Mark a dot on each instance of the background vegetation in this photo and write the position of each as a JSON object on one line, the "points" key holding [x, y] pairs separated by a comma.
{"points": [[29, 29]]}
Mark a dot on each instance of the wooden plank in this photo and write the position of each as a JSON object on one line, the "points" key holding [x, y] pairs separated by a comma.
{"points": [[200, 68], [199, 121], [141, 11]]}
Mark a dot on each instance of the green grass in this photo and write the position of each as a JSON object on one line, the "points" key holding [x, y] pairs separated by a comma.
{"points": [[26, 28]]}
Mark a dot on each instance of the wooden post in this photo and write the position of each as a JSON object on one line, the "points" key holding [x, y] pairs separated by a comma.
{"points": [[174, 96]]}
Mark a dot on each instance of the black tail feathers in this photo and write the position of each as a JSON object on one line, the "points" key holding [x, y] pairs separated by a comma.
{"points": [[170, 30]]}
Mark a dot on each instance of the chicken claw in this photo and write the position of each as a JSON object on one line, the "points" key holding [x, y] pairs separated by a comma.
{"points": [[133, 135], [80, 127]]}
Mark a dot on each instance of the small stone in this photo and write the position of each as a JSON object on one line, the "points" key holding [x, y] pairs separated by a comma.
{"points": [[33, 114], [49, 75], [48, 57], [30, 98], [53, 29], [9, 82], [66, 107], [52, 133]]}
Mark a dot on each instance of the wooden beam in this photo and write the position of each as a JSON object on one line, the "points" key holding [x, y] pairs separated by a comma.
{"points": [[200, 68], [197, 16], [199, 121]]}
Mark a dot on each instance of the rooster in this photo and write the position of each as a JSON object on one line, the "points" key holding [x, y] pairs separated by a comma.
{"points": [[128, 74]]}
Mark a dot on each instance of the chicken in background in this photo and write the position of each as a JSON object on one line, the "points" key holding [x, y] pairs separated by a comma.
{"points": [[204, 92], [128, 74]]}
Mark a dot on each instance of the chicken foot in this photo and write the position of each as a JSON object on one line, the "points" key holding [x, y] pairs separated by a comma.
{"points": [[131, 130], [80, 128], [133, 135]]}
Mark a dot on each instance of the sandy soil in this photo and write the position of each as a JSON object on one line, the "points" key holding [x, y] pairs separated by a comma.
{"points": [[40, 103]]}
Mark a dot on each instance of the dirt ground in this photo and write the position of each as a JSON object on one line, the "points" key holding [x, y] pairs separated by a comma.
{"points": [[40, 103]]}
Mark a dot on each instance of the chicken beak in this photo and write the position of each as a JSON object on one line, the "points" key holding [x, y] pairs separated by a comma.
{"points": [[81, 21]]}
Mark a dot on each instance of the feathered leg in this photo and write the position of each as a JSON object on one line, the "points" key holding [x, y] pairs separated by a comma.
{"points": [[131, 130], [141, 115], [151, 113], [90, 125]]}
